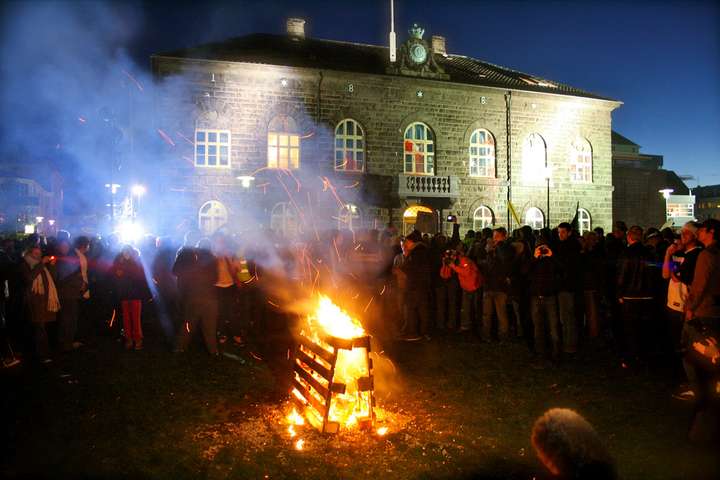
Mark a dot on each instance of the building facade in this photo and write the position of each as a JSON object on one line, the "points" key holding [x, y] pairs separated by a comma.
{"points": [[31, 198], [707, 202], [299, 134]]}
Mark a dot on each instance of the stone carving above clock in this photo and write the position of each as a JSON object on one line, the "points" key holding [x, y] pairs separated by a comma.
{"points": [[415, 57]]}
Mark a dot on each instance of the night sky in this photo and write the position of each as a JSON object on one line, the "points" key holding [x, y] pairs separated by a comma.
{"points": [[662, 58]]}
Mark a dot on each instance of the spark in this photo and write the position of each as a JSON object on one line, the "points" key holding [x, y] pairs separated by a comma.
{"points": [[292, 200], [82, 120], [165, 137], [137, 84], [179, 134], [352, 185], [299, 444], [256, 356], [337, 252], [327, 185], [291, 431], [368, 304], [311, 134], [188, 159], [383, 290], [382, 431], [273, 304], [112, 319], [187, 327]]}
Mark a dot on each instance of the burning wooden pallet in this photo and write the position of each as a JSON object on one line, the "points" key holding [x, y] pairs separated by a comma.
{"points": [[333, 381]]}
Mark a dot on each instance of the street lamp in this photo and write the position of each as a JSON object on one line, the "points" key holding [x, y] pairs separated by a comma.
{"points": [[666, 195], [547, 173], [246, 180], [138, 190]]}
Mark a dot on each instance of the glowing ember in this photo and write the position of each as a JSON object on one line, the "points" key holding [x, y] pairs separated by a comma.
{"points": [[299, 444], [382, 431]]}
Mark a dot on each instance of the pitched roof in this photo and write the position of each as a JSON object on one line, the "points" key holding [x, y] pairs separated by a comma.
{"points": [[618, 139], [356, 57]]}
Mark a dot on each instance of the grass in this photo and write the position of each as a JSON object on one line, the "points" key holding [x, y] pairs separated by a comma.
{"points": [[457, 410]]}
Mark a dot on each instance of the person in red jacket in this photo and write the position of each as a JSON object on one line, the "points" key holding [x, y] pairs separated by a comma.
{"points": [[470, 281]]}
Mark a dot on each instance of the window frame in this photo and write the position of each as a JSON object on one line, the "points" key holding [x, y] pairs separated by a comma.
{"points": [[534, 175], [541, 218], [581, 161], [212, 204], [428, 140], [582, 220], [346, 213], [277, 140], [284, 219], [477, 158], [476, 218], [205, 145], [344, 150]]}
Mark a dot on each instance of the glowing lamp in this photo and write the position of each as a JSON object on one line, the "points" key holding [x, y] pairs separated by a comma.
{"points": [[130, 232], [51, 222], [39, 219], [246, 180], [666, 192], [29, 229], [138, 190]]}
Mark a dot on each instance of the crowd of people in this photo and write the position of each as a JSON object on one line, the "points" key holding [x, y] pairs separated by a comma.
{"points": [[651, 295]]}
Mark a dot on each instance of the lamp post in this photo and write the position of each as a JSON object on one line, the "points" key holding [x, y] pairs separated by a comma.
{"points": [[547, 173], [137, 191], [666, 195]]}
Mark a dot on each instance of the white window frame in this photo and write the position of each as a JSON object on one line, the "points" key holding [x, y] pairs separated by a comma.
{"points": [[211, 216], [534, 160], [203, 146], [584, 221], [284, 219], [483, 217], [581, 161], [421, 138], [283, 144], [535, 218], [349, 217], [349, 148], [482, 154]]}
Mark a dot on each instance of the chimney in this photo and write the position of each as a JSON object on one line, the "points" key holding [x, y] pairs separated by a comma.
{"points": [[438, 45], [296, 27]]}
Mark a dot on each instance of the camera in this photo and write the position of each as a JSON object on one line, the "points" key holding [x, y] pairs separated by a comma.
{"points": [[451, 218], [450, 256]]}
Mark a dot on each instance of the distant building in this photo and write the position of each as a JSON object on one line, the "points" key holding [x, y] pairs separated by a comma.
{"points": [[639, 181], [707, 202], [30, 195], [273, 129]]}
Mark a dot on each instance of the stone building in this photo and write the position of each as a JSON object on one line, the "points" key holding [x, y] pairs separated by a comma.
{"points": [[707, 202], [639, 182], [296, 133], [31, 197]]}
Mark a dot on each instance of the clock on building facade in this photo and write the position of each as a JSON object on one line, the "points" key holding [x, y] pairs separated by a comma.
{"points": [[416, 58]]}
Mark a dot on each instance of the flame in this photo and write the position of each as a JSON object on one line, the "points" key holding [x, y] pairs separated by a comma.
{"points": [[382, 431], [299, 444], [332, 320]]}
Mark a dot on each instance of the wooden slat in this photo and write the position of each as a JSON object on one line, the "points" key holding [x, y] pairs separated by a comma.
{"points": [[331, 427], [338, 388], [336, 342], [313, 364], [308, 396], [317, 349], [322, 390], [362, 342], [365, 384]]}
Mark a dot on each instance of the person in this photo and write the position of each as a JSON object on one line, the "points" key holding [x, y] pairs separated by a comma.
{"points": [[592, 261], [226, 288], [131, 289], [570, 448], [634, 291], [543, 275], [41, 298], [200, 305], [567, 255], [496, 271], [71, 287], [417, 268], [445, 288], [182, 268], [162, 277], [469, 279]]}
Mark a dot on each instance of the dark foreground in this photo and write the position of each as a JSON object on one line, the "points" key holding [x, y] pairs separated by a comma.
{"points": [[456, 410]]}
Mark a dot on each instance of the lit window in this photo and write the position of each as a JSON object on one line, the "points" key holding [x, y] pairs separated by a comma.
{"points": [[212, 148], [283, 143], [482, 218], [349, 217], [482, 154], [283, 219], [535, 218], [212, 216], [419, 149], [580, 161], [683, 210], [534, 160], [349, 146], [584, 221]]}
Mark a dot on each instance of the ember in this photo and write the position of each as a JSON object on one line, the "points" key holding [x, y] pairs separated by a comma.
{"points": [[333, 381]]}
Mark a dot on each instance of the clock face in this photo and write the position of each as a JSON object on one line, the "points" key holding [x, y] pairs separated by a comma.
{"points": [[418, 54]]}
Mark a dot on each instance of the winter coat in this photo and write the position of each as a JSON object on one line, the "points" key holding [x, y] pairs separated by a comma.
{"points": [[35, 305], [543, 276], [467, 272], [418, 270], [498, 267], [129, 277], [592, 267], [567, 256], [635, 272], [70, 283], [704, 299]]}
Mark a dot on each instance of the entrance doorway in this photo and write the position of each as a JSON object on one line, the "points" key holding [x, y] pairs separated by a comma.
{"points": [[420, 217]]}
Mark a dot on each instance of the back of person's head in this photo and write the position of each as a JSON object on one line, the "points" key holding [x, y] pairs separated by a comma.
{"points": [[599, 231], [470, 234], [502, 231], [569, 447], [635, 233], [191, 237], [712, 224], [565, 225], [204, 244], [82, 242], [62, 235]]}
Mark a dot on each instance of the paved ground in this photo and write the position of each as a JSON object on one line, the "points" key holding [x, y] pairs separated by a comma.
{"points": [[456, 409]]}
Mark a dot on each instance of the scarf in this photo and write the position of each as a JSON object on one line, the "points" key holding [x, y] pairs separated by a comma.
{"points": [[38, 285], [83, 271]]}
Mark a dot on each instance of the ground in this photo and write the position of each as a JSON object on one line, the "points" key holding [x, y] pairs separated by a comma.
{"points": [[456, 409]]}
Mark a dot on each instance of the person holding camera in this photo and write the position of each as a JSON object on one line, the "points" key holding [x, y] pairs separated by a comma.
{"points": [[469, 278], [544, 272]]}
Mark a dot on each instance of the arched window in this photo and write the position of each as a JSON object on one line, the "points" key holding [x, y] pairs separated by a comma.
{"points": [[212, 215], [283, 147], [535, 218], [584, 221], [534, 160], [349, 217], [482, 217], [349, 146], [482, 154], [580, 161], [419, 149], [283, 219]]}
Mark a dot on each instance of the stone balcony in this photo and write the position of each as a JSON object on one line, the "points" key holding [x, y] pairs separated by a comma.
{"points": [[428, 186]]}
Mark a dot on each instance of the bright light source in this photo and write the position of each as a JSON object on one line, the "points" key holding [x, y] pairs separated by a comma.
{"points": [[246, 180], [29, 229], [138, 190], [130, 232], [39, 219], [547, 172], [284, 82], [114, 187], [51, 222], [666, 192]]}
